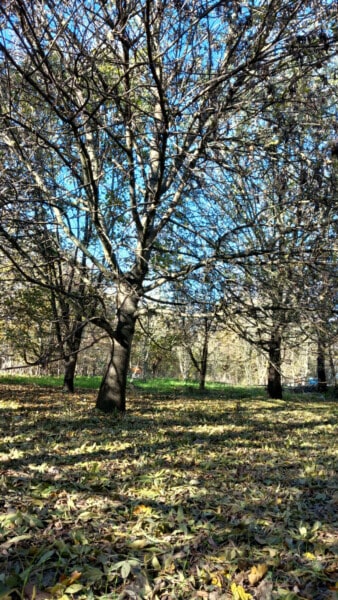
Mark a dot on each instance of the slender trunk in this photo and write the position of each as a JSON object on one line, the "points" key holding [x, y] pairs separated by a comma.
{"points": [[112, 392], [332, 367], [274, 368], [204, 361], [183, 363], [202, 378], [70, 366], [321, 371], [155, 366], [201, 364], [70, 358]]}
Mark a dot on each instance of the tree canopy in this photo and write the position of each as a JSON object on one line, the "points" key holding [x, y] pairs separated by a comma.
{"points": [[116, 117]]}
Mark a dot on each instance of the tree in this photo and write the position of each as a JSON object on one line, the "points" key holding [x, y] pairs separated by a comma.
{"points": [[285, 205], [43, 324], [323, 303], [322, 327], [113, 111], [52, 287], [26, 320], [196, 302]]}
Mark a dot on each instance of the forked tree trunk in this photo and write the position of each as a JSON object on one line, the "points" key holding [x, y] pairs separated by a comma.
{"points": [[112, 392], [274, 368]]}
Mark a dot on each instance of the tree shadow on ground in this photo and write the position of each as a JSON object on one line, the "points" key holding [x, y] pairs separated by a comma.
{"points": [[196, 495]]}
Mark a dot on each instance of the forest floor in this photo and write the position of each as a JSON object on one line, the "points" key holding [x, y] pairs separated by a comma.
{"points": [[183, 497]]}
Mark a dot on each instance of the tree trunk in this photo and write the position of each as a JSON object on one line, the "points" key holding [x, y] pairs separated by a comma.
{"points": [[202, 380], [332, 367], [70, 357], [204, 358], [321, 371], [70, 366], [274, 368], [155, 366], [112, 392]]}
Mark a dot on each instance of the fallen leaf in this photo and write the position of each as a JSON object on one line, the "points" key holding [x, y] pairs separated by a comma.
{"points": [[141, 509], [68, 580], [264, 590], [257, 573], [15, 540], [239, 593]]}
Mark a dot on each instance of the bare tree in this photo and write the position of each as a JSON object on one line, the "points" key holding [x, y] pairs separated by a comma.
{"points": [[285, 204], [112, 110]]}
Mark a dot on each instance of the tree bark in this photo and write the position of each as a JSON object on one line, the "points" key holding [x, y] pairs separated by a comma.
{"points": [[201, 363], [72, 346], [321, 371], [204, 357], [112, 392], [155, 366], [274, 368], [70, 367], [332, 367]]}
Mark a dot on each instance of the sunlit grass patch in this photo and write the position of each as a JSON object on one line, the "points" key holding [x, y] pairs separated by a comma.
{"points": [[182, 497], [50, 381]]}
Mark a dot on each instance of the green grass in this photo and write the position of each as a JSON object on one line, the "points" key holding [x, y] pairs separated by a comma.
{"points": [[81, 382], [151, 386], [163, 386], [184, 497]]}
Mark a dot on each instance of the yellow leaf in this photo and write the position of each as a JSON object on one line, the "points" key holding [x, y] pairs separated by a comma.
{"points": [[74, 577], [216, 579], [141, 509], [239, 593], [66, 580], [309, 556], [155, 563], [257, 573], [138, 544]]}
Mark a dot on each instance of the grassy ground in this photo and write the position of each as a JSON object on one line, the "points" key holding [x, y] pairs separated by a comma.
{"points": [[48, 381], [224, 496], [164, 385]]}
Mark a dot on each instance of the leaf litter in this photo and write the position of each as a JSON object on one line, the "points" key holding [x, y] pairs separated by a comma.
{"points": [[177, 499]]}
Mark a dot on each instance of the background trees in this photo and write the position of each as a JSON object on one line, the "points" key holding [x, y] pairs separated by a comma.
{"points": [[115, 120], [283, 201]]}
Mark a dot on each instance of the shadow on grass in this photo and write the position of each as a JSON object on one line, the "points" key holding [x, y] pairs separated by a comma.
{"points": [[185, 488]]}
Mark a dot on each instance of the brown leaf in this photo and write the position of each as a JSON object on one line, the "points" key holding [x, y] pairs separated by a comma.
{"points": [[264, 590]]}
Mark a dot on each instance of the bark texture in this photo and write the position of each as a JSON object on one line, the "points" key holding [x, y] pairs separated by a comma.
{"points": [[204, 363], [71, 353], [274, 369], [69, 376], [112, 392], [321, 370]]}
